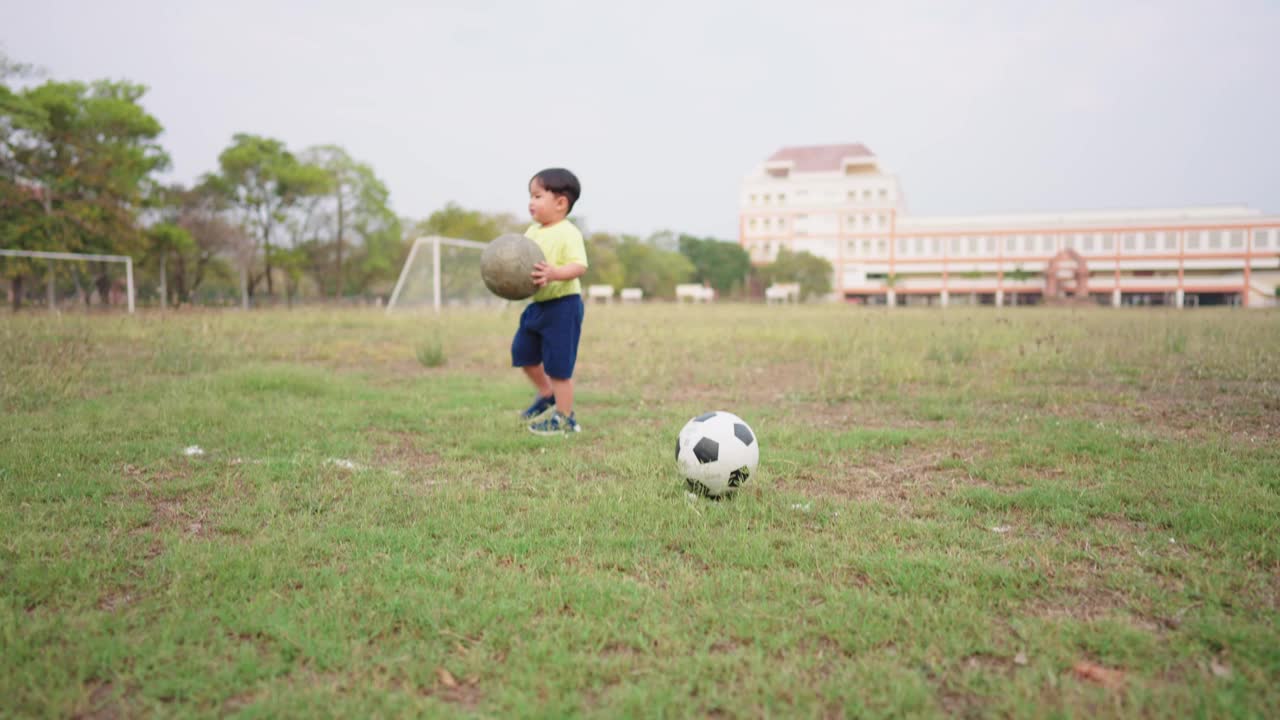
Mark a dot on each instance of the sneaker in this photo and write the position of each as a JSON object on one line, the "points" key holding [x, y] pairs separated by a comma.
{"points": [[556, 424], [540, 405]]}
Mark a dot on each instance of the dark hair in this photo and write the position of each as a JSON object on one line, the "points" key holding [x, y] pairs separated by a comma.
{"points": [[561, 182]]}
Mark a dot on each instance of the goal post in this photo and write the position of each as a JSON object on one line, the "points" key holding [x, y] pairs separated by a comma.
{"points": [[440, 271], [82, 257]]}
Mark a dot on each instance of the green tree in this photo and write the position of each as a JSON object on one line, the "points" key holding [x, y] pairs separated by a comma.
{"points": [[810, 271], [652, 269], [168, 240], [265, 181], [76, 166], [453, 221], [357, 220], [293, 263], [722, 265], [603, 265]]}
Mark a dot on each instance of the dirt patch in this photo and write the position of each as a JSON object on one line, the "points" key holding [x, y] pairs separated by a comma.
{"points": [[401, 450], [114, 600], [103, 702], [898, 478]]}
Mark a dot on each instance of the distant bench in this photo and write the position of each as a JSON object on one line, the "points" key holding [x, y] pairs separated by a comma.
{"points": [[694, 293], [782, 293]]}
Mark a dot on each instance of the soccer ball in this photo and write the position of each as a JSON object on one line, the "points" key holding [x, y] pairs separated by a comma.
{"points": [[506, 265], [716, 453]]}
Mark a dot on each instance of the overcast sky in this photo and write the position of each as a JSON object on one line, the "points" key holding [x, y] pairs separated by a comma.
{"points": [[662, 107]]}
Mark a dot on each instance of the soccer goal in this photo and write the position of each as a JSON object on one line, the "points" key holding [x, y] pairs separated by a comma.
{"points": [[76, 257], [441, 272]]}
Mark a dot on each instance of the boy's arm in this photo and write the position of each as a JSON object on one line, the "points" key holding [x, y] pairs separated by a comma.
{"points": [[544, 273]]}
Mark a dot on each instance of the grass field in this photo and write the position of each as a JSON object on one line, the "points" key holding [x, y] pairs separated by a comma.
{"points": [[1029, 512]]}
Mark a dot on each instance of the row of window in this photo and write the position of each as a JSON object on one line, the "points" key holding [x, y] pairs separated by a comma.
{"points": [[1192, 241], [978, 245], [864, 195], [853, 223]]}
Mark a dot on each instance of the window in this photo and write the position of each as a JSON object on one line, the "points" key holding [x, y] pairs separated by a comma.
{"points": [[955, 245], [971, 245], [866, 221], [1148, 241], [1046, 243], [766, 199], [866, 194], [782, 198], [782, 222], [1171, 241], [918, 246], [753, 223], [1107, 242], [881, 247], [1069, 241], [1130, 242], [991, 246], [1192, 240], [884, 221], [902, 246], [1010, 243], [884, 193], [935, 246], [853, 196], [1215, 239], [866, 248], [1237, 238], [753, 198], [1086, 244], [1261, 238]]}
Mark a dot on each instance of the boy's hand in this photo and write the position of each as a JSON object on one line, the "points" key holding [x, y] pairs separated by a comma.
{"points": [[543, 274]]}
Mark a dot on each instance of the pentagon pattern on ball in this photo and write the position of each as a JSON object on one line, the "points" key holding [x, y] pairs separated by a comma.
{"points": [[744, 433], [705, 416], [739, 476], [707, 450]]}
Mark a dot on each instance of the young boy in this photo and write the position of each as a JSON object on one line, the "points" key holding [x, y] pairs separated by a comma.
{"points": [[546, 343]]}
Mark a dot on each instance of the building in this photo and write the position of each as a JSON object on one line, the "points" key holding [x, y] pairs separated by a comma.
{"points": [[837, 202]]}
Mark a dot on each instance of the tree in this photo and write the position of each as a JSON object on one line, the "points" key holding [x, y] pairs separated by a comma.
{"points": [[167, 240], [453, 221], [356, 218], [604, 267], [810, 271], [722, 265], [264, 181], [652, 269], [76, 165], [292, 262]]}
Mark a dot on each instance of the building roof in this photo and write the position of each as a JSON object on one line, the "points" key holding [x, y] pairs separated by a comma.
{"points": [[820, 158]]}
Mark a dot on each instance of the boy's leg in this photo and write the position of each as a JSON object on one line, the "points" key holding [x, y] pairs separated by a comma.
{"points": [[559, 355], [560, 349], [526, 354], [543, 384], [563, 390]]}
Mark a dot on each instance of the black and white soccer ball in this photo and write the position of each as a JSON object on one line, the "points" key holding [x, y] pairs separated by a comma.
{"points": [[716, 452]]}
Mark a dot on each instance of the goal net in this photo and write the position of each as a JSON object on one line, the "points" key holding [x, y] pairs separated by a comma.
{"points": [[442, 272], [72, 277]]}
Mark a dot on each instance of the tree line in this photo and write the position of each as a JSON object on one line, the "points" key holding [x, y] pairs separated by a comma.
{"points": [[79, 172]]}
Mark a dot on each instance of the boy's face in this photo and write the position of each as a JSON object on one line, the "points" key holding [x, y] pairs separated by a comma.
{"points": [[545, 207]]}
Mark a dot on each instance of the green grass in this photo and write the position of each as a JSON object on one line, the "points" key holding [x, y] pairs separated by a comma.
{"points": [[952, 511]]}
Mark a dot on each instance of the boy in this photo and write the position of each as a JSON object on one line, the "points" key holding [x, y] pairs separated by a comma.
{"points": [[546, 343]]}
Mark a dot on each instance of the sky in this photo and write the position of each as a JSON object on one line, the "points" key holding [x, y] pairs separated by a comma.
{"points": [[661, 108]]}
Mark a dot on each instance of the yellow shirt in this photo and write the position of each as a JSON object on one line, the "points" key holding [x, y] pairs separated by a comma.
{"points": [[562, 244]]}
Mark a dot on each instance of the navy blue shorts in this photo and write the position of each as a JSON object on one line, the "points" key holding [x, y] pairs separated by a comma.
{"points": [[548, 334]]}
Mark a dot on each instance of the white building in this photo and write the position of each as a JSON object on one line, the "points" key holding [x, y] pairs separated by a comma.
{"points": [[837, 202]]}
